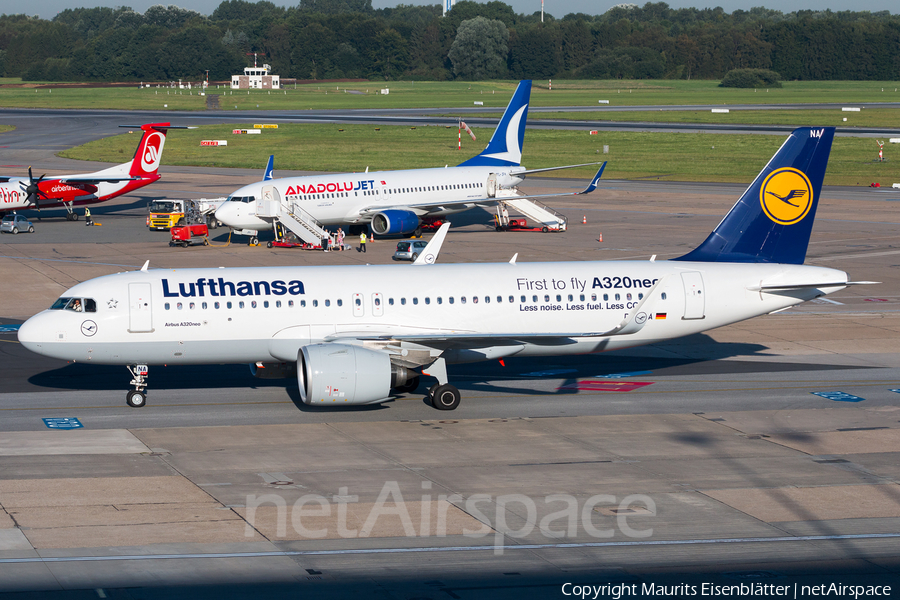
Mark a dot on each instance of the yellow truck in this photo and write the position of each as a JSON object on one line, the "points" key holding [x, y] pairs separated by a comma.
{"points": [[165, 214]]}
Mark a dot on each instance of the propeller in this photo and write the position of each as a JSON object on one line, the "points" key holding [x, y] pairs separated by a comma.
{"points": [[33, 191]]}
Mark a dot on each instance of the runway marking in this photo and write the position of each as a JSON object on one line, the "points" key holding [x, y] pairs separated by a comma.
{"points": [[81, 262], [284, 553], [62, 423], [866, 255], [605, 386], [624, 375], [549, 373], [838, 396]]}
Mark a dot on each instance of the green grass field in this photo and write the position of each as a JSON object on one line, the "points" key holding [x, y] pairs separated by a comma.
{"points": [[666, 156], [406, 94], [867, 117]]}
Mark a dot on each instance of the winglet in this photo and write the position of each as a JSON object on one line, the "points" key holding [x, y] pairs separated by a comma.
{"points": [[430, 252], [593, 184], [146, 266], [270, 169]]}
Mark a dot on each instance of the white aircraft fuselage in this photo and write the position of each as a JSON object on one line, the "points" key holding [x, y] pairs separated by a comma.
{"points": [[197, 316], [357, 197]]}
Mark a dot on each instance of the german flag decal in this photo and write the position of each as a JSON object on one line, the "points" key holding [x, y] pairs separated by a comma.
{"points": [[660, 316]]}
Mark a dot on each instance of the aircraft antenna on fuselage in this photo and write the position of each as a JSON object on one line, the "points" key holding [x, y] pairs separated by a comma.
{"points": [[146, 265]]}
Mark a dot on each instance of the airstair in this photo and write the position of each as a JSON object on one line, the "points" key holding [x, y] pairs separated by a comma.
{"points": [[535, 211], [270, 206]]}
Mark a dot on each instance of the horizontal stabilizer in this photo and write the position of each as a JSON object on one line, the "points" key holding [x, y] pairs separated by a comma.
{"points": [[530, 171], [807, 286], [159, 126], [92, 180]]}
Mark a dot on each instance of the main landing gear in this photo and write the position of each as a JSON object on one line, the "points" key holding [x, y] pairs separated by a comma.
{"points": [[137, 398], [443, 395]]}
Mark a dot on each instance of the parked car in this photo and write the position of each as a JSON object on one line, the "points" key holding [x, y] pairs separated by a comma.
{"points": [[409, 250], [15, 224]]}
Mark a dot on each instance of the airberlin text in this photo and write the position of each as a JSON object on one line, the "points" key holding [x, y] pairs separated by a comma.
{"points": [[8, 195], [219, 287]]}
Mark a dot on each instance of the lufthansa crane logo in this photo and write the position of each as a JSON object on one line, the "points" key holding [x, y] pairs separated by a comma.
{"points": [[786, 196]]}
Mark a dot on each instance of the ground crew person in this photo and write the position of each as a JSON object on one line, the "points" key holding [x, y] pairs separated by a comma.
{"points": [[362, 242], [87, 216]]}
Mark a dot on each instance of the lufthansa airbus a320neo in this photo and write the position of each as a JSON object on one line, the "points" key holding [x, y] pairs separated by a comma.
{"points": [[360, 334]]}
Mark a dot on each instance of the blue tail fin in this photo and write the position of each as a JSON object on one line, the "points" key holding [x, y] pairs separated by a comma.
{"points": [[270, 169], [505, 147], [773, 220]]}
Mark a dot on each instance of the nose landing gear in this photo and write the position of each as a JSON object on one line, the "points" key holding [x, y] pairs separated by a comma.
{"points": [[137, 397]]}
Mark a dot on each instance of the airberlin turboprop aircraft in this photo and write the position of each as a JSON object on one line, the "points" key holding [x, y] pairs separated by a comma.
{"points": [[397, 202], [23, 193], [352, 334]]}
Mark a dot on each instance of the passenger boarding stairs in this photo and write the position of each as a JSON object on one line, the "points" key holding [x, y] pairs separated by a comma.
{"points": [[535, 211], [272, 207]]}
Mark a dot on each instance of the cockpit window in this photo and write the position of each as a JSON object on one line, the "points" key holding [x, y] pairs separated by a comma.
{"points": [[60, 303], [244, 199], [162, 206], [75, 304]]}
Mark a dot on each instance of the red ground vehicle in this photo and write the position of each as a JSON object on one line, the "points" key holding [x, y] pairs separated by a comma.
{"points": [[521, 224], [190, 235]]}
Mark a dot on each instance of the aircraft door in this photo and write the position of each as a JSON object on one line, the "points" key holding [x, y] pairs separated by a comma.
{"points": [[358, 308], [269, 202], [492, 185], [140, 314], [694, 301], [377, 304]]}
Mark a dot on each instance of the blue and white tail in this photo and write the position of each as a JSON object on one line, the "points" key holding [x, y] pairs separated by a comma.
{"points": [[773, 220], [505, 147]]}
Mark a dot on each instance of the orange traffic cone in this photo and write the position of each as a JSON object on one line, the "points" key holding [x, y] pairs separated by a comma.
{"points": [[600, 239], [584, 220]]}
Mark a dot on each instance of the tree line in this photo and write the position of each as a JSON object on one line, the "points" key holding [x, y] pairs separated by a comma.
{"points": [[348, 39]]}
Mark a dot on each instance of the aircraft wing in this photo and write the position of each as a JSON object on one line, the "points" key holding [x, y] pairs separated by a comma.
{"points": [[426, 207]]}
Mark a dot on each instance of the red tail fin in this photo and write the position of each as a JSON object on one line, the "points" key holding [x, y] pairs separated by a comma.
{"points": [[149, 151]]}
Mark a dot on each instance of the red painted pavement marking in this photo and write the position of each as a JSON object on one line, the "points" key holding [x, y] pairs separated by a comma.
{"points": [[605, 386]]}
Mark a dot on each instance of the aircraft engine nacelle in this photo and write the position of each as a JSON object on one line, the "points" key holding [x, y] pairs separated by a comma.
{"points": [[342, 374], [395, 222], [279, 370]]}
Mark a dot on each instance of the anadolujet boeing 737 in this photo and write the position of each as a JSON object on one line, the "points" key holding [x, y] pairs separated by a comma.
{"points": [[353, 334], [397, 202]]}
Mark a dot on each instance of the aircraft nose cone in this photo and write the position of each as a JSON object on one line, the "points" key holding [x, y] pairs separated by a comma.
{"points": [[30, 334]]}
